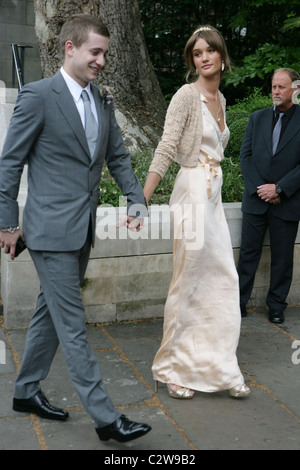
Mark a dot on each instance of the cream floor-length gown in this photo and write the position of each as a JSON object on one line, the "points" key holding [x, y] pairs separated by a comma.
{"points": [[202, 314]]}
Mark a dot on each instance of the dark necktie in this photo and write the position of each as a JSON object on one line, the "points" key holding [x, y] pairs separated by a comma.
{"points": [[91, 126], [276, 132]]}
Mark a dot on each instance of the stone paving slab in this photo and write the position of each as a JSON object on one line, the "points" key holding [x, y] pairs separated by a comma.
{"points": [[269, 419]]}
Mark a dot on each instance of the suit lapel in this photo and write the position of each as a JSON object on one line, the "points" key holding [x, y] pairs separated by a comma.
{"points": [[267, 129], [68, 108]]}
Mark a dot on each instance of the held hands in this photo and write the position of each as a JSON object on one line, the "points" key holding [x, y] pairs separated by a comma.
{"points": [[267, 193], [132, 223], [9, 240]]}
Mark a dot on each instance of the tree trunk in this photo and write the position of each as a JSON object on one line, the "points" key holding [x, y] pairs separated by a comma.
{"points": [[139, 103]]}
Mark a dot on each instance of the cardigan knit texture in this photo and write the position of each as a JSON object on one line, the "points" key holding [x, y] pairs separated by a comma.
{"points": [[182, 135]]}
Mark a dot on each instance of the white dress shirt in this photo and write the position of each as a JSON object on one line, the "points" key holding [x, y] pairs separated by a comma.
{"points": [[76, 90]]}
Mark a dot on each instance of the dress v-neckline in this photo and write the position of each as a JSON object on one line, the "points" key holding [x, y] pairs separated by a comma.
{"points": [[212, 119]]}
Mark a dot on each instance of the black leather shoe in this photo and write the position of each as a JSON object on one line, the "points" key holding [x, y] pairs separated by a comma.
{"points": [[39, 405], [123, 430], [276, 316], [243, 311]]}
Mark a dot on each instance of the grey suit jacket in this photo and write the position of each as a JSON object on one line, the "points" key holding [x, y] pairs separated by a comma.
{"points": [[63, 181], [260, 166]]}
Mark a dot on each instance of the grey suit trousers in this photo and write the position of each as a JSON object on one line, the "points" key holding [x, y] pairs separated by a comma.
{"points": [[59, 319]]}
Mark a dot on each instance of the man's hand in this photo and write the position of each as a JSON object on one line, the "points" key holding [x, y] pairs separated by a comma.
{"points": [[9, 240], [267, 192]]}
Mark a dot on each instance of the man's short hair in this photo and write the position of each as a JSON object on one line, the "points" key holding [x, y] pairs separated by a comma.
{"points": [[77, 29], [290, 72]]}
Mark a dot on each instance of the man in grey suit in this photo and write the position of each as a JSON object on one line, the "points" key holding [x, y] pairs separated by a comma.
{"points": [[65, 144], [270, 162]]}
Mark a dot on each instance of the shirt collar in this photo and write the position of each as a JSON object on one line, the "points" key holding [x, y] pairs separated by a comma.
{"points": [[74, 87], [288, 113]]}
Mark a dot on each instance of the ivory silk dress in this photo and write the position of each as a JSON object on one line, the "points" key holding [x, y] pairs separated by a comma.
{"points": [[202, 314]]}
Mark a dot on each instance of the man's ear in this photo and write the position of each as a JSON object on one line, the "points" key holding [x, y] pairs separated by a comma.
{"points": [[69, 48]]}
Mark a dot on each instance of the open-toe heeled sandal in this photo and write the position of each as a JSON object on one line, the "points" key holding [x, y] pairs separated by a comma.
{"points": [[182, 393], [239, 391]]}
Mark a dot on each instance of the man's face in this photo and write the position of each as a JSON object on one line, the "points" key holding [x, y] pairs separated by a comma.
{"points": [[84, 63], [282, 91]]}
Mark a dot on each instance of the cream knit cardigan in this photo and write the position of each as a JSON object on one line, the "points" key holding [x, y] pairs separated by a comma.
{"points": [[182, 136]]}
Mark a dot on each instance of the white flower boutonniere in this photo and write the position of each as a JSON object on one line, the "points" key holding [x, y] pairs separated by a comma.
{"points": [[106, 95]]}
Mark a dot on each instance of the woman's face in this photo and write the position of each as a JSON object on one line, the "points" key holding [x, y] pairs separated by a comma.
{"points": [[207, 60]]}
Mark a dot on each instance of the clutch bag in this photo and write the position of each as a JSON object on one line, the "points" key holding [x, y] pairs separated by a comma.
{"points": [[20, 246]]}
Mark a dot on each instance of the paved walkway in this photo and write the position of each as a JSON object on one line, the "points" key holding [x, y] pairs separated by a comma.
{"points": [[267, 420]]}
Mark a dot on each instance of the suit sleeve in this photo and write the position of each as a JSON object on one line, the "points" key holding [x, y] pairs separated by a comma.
{"points": [[23, 129], [119, 164], [289, 154], [290, 183], [251, 174]]}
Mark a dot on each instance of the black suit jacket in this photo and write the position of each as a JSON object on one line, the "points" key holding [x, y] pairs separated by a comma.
{"points": [[259, 165]]}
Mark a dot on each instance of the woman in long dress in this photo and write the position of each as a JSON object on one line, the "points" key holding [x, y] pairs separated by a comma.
{"points": [[202, 314]]}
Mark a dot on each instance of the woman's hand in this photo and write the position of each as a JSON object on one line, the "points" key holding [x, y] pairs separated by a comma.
{"points": [[132, 223]]}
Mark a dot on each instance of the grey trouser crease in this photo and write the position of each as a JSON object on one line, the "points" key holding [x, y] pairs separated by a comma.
{"points": [[60, 319]]}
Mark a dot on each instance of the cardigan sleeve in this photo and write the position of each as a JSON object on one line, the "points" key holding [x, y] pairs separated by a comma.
{"points": [[176, 119]]}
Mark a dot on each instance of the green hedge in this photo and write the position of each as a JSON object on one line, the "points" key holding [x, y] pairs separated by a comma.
{"points": [[237, 118], [233, 184]]}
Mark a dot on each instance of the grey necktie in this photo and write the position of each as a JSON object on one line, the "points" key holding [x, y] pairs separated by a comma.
{"points": [[91, 126], [276, 132]]}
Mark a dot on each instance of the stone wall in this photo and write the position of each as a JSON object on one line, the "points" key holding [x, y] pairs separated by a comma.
{"points": [[17, 26], [129, 273], [8, 98]]}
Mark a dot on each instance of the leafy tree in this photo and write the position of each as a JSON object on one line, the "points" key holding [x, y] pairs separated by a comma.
{"points": [[138, 99], [261, 35]]}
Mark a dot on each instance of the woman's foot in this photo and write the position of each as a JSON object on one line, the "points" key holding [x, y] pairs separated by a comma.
{"points": [[183, 393], [239, 391]]}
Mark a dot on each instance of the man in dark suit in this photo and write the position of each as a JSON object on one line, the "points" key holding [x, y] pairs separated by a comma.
{"points": [[270, 162], [64, 131]]}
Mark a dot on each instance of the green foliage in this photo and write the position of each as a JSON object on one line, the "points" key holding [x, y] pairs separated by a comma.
{"points": [[109, 192], [260, 35], [166, 26], [291, 23], [255, 101], [261, 65], [140, 165], [237, 119]]}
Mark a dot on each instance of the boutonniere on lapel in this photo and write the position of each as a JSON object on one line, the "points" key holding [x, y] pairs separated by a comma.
{"points": [[106, 95]]}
